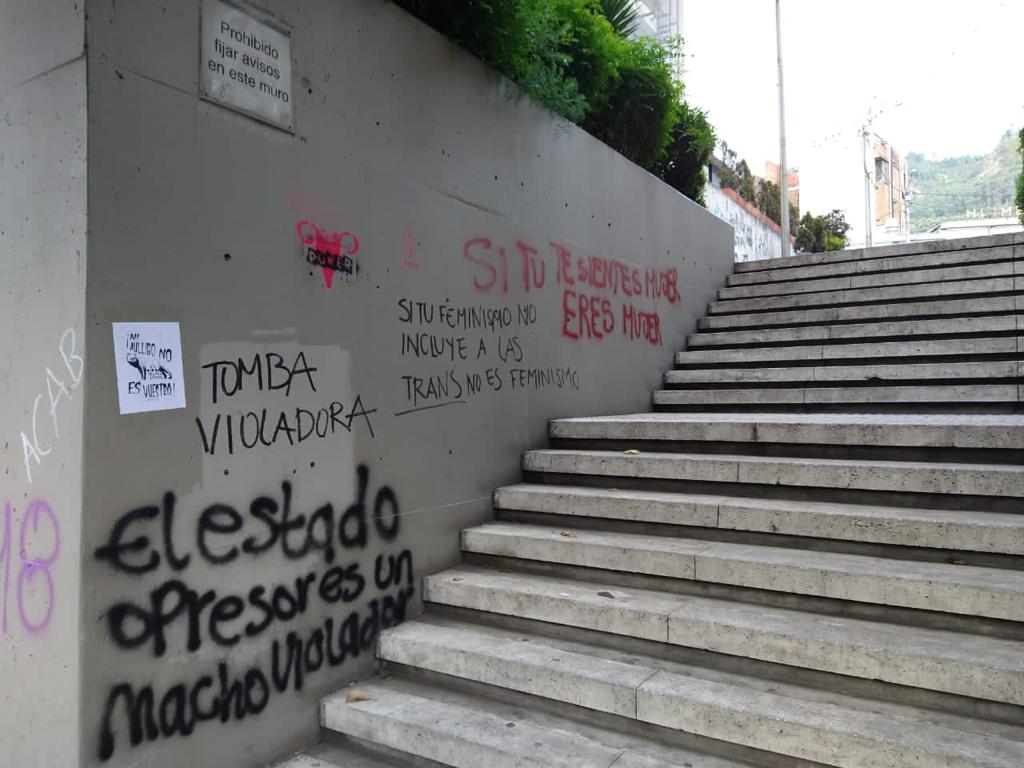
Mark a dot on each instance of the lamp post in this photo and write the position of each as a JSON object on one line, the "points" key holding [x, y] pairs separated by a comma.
{"points": [[783, 171]]}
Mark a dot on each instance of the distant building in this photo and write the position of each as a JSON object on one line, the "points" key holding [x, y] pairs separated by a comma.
{"points": [[659, 18], [852, 169], [772, 172], [662, 20], [890, 191]]}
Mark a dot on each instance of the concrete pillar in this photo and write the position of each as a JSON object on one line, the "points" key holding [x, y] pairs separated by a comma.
{"points": [[43, 248]]}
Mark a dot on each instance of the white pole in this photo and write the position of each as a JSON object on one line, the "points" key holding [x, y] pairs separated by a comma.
{"points": [[783, 171]]}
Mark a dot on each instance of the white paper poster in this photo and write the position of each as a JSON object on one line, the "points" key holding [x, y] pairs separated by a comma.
{"points": [[147, 357]]}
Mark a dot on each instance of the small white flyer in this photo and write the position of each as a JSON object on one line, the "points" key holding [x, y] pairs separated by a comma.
{"points": [[147, 358]]}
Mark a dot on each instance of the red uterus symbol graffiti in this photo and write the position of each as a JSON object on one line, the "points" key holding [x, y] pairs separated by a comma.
{"points": [[331, 251]]}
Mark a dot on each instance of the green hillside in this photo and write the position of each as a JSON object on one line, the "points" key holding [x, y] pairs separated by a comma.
{"points": [[964, 187]]}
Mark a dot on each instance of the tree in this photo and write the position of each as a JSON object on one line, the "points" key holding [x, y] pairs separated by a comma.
{"points": [[1020, 179], [966, 186], [768, 202], [737, 176], [822, 233]]}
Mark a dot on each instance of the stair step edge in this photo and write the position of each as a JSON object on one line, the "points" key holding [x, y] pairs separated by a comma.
{"points": [[932, 659]]}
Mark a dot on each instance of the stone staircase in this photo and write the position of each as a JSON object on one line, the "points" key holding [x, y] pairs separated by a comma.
{"points": [[810, 554]]}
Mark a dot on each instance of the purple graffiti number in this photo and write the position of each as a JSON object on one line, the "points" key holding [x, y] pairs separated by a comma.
{"points": [[31, 565], [5, 555]]}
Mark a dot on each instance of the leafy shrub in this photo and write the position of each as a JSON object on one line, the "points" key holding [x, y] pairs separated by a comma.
{"points": [[491, 29], [591, 48], [523, 39], [687, 155], [643, 106], [568, 56]]}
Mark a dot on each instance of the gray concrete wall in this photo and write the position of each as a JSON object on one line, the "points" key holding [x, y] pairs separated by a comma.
{"points": [[42, 252], [450, 183]]}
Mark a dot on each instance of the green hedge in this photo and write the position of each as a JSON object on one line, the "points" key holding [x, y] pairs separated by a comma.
{"points": [[566, 55], [686, 160]]}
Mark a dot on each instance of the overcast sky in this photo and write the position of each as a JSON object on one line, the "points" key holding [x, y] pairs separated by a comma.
{"points": [[943, 76]]}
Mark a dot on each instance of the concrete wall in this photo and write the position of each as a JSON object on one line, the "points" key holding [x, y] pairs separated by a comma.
{"points": [[755, 235], [452, 186], [42, 252]]}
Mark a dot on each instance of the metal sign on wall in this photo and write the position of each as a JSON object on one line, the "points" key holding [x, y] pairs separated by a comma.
{"points": [[246, 62]]}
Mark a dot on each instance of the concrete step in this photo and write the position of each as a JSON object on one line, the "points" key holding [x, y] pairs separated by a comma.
{"points": [[467, 731], [307, 761], [895, 476], [951, 662], [840, 734], [337, 757], [871, 429], [902, 349], [875, 280], [844, 731], [990, 325], [849, 395], [960, 589], [898, 526], [870, 295], [882, 252], [983, 371], [868, 266], [947, 308]]}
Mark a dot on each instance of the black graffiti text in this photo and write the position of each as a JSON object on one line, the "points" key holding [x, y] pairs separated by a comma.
{"points": [[264, 372], [231, 432], [235, 694], [223, 534]]}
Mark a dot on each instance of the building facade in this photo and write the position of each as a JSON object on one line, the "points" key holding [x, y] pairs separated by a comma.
{"points": [[661, 19], [888, 177]]}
